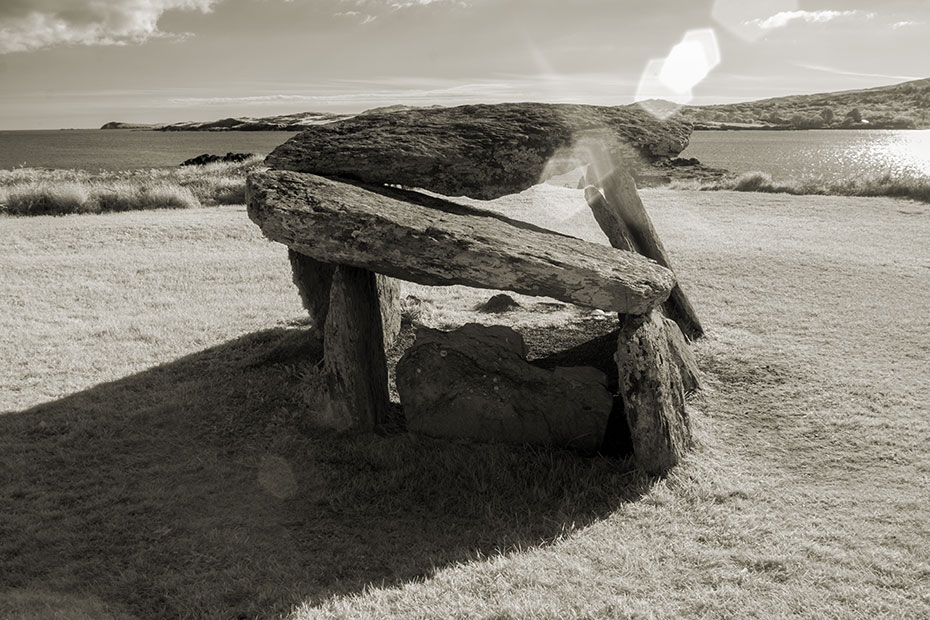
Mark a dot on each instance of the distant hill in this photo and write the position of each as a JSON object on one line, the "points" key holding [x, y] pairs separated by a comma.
{"points": [[901, 106], [285, 122], [119, 125]]}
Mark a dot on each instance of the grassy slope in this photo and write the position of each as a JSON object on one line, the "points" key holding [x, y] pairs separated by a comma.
{"points": [[163, 478], [881, 105]]}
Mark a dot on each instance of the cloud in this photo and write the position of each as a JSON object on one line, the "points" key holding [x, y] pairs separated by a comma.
{"points": [[409, 3], [595, 88], [362, 18], [783, 18], [36, 24], [397, 5], [415, 96], [835, 71]]}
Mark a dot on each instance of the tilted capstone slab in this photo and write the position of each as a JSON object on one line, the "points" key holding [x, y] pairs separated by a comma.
{"points": [[411, 236]]}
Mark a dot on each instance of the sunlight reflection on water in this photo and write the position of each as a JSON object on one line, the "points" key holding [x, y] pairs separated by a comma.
{"points": [[905, 151], [832, 154]]}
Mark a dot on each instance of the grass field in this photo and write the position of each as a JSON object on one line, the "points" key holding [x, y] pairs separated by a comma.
{"points": [[40, 191], [154, 463]]}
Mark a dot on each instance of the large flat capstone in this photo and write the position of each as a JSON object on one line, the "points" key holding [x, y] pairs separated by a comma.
{"points": [[419, 238], [481, 151]]}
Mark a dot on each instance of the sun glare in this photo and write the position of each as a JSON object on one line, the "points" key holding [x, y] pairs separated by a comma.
{"points": [[672, 78], [690, 61]]}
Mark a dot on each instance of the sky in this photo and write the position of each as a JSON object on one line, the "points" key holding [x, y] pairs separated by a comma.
{"points": [[82, 63]]}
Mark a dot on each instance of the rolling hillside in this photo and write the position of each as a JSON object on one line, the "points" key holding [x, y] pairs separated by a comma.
{"points": [[901, 106]]}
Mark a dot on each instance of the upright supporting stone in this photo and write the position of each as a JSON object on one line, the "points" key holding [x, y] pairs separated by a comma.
{"points": [[314, 279], [474, 383], [389, 302], [620, 238], [652, 392], [356, 391], [625, 205], [682, 356]]}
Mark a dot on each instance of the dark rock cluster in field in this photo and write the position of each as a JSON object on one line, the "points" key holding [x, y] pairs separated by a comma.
{"points": [[474, 383], [206, 158], [480, 151]]}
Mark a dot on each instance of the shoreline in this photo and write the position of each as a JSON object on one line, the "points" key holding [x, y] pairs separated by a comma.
{"points": [[31, 192], [751, 127]]}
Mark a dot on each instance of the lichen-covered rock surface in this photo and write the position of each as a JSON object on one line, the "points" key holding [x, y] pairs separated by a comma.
{"points": [[355, 394], [314, 280], [652, 392], [480, 151], [474, 383], [418, 238]]}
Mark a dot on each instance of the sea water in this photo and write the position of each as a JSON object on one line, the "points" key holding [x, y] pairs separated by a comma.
{"points": [[828, 153], [122, 149], [832, 153]]}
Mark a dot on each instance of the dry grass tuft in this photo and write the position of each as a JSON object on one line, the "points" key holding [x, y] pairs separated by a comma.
{"points": [[31, 191], [897, 186]]}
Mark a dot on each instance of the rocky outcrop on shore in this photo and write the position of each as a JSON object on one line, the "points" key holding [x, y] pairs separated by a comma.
{"points": [[119, 125], [207, 158]]}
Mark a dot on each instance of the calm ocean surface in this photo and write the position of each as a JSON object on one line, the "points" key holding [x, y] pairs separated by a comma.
{"points": [[830, 153], [783, 154], [119, 149]]}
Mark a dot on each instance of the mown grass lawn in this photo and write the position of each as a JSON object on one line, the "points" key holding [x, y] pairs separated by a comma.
{"points": [[154, 463]]}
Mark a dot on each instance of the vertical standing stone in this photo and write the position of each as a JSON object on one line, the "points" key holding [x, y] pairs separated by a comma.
{"points": [[652, 393], [682, 356], [619, 236], [356, 394], [627, 207], [314, 279], [389, 302]]}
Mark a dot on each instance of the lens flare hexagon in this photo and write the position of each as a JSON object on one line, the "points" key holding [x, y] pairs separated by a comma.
{"points": [[666, 83]]}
